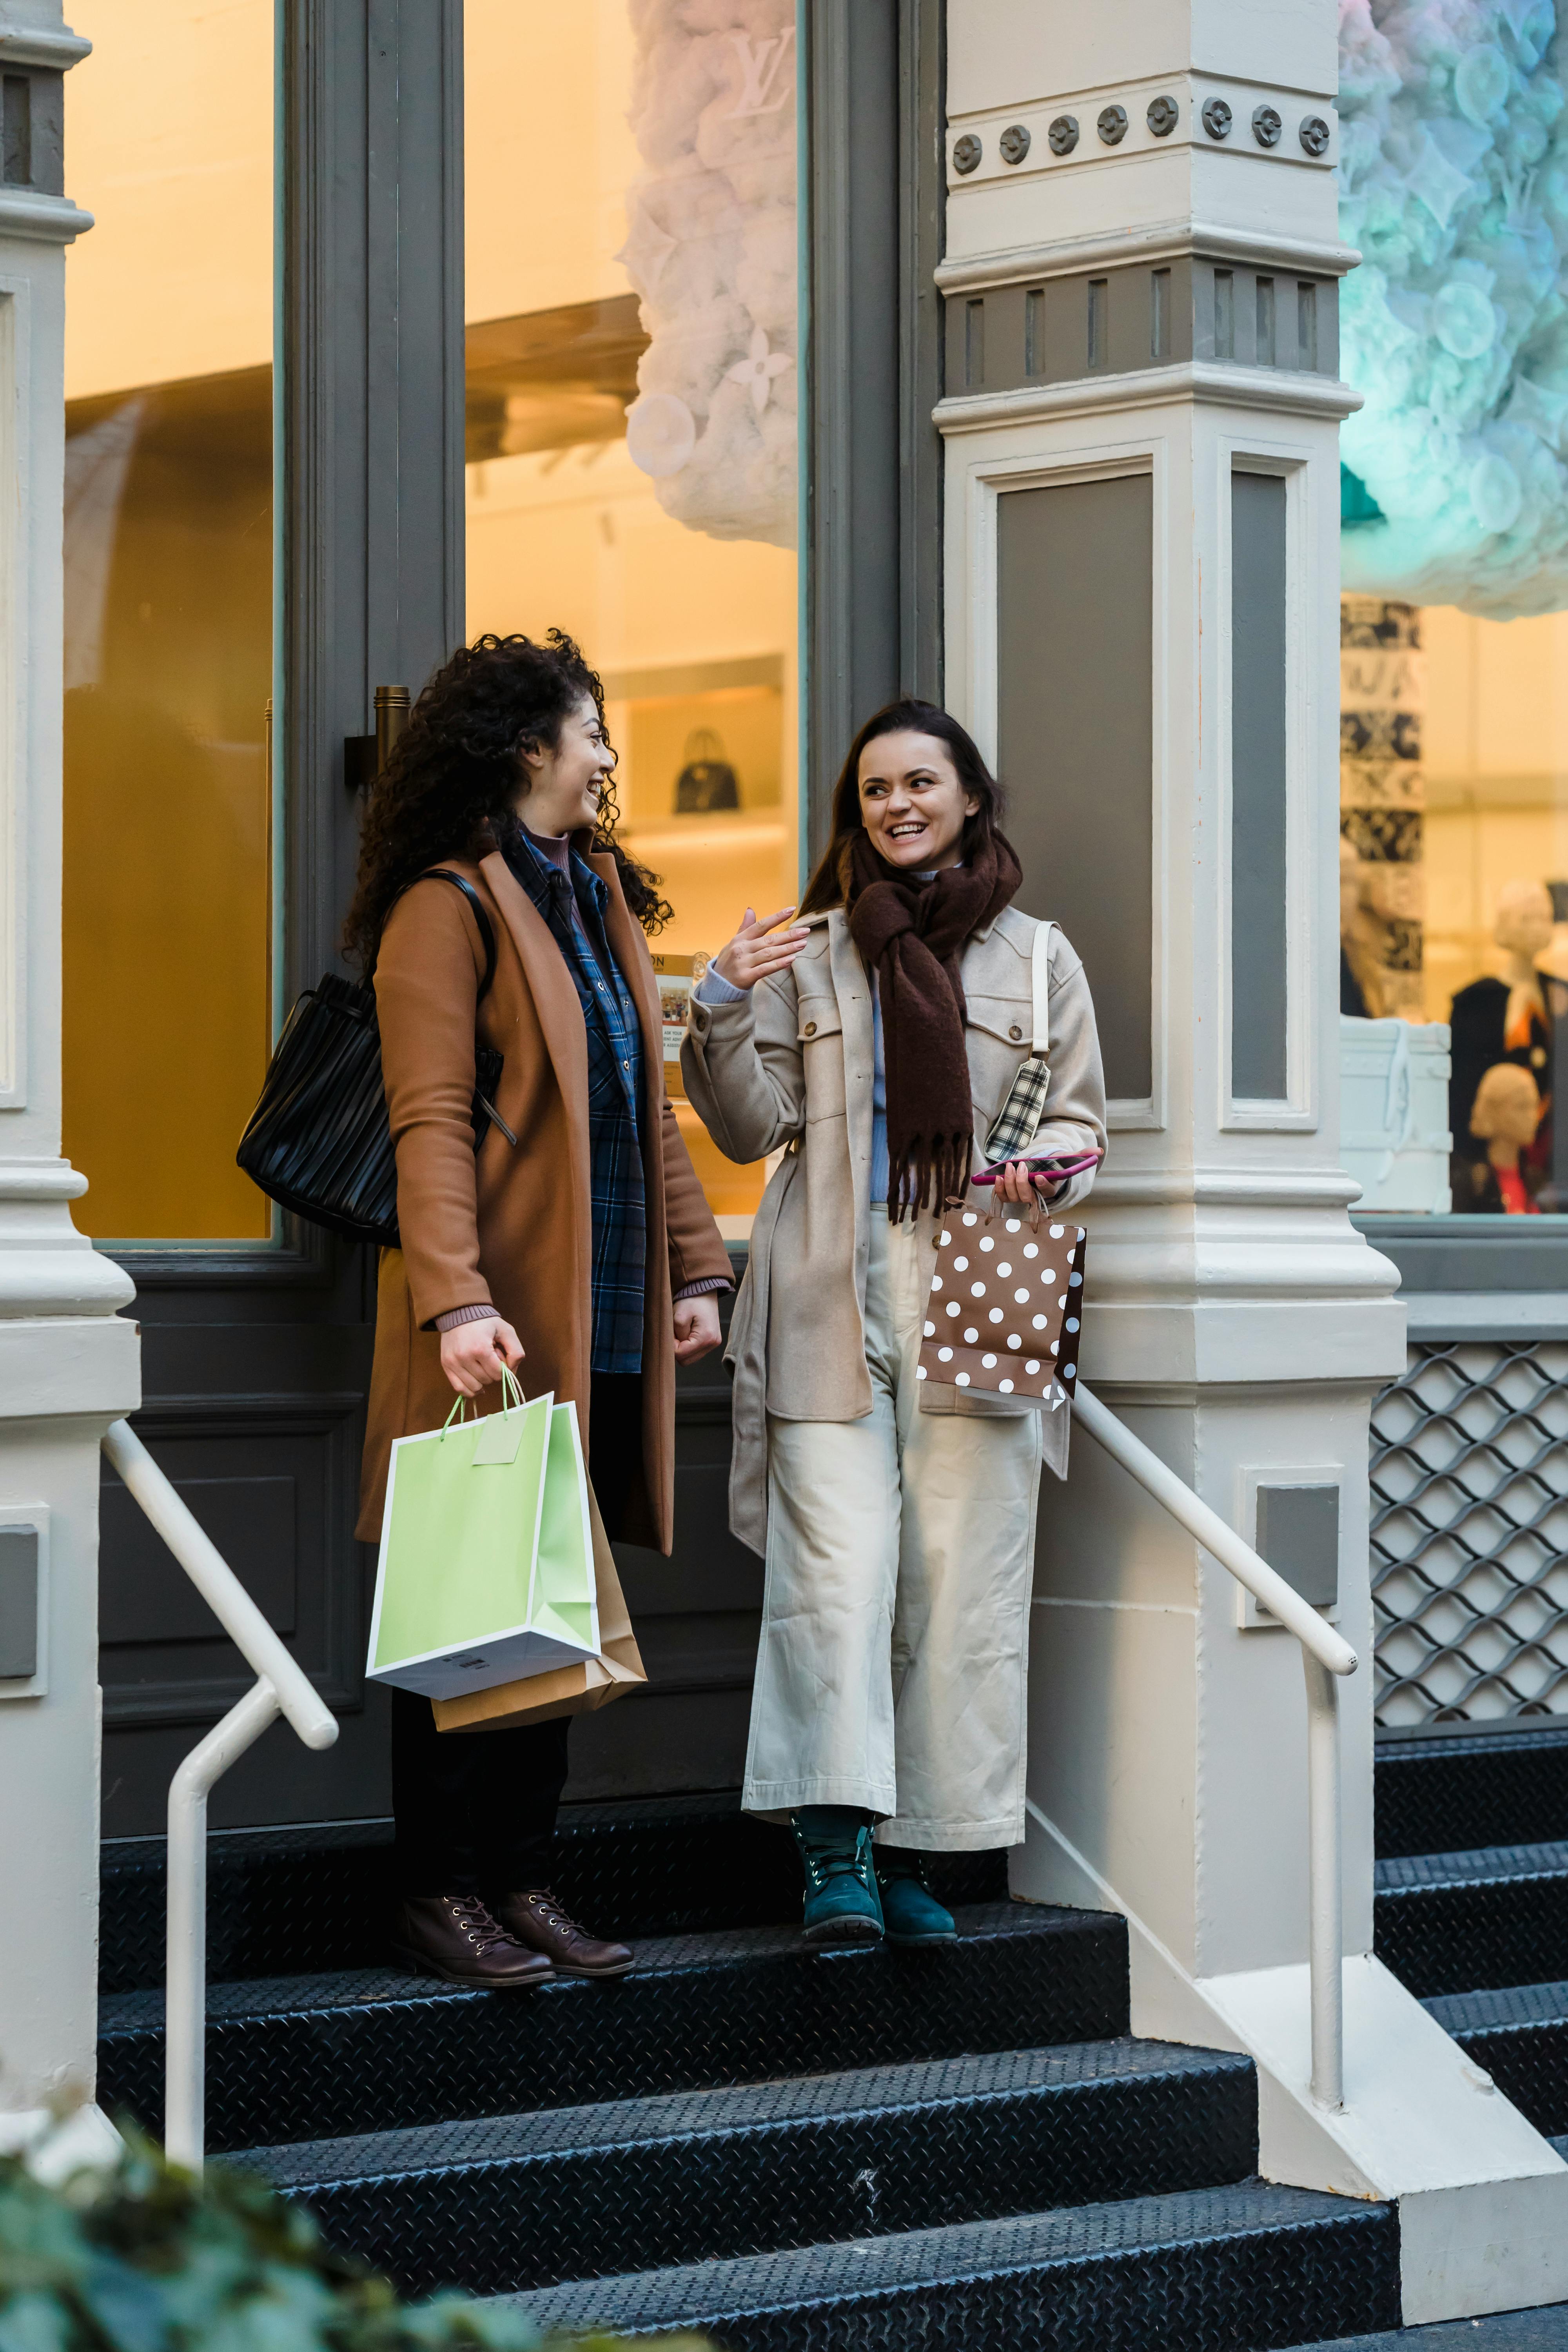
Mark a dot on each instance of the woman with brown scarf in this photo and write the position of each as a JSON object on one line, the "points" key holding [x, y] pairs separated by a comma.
{"points": [[875, 1039]]}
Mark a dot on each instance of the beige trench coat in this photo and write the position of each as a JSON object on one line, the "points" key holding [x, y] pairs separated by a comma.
{"points": [[792, 1064]]}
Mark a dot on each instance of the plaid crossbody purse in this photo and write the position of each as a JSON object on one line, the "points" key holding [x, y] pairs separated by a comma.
{"points": [[1015, 1124]]}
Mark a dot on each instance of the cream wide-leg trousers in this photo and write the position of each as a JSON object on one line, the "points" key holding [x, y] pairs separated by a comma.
{"points": [[895, 1612]]}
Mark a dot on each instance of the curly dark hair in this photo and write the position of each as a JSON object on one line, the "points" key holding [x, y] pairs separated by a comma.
{"points": [[448, 788]]}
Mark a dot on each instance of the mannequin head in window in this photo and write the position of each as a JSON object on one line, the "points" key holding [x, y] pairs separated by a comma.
{"points": [[1506, 1113], [504, 719], [1524, 922]]}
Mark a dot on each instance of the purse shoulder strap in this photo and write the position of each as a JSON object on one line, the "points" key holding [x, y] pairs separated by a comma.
{"points": [[1041, 972], [445, 874]]}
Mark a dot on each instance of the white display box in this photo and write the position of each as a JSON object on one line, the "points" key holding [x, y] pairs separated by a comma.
{"points": [[1394, 1115]]}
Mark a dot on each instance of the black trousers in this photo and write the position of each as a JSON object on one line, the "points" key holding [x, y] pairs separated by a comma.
{"points": [[476, 1811]]}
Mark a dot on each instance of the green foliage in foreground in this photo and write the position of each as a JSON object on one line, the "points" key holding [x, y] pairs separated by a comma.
{"points": [[143, 2259]]}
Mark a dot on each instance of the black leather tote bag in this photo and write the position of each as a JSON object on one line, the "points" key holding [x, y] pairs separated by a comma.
{"points": [[319, 1141]]}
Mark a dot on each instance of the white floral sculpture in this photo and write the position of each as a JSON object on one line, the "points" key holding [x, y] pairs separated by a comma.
{"points": [[711, 251]]}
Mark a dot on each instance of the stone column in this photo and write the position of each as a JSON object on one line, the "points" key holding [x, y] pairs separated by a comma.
{"points": [[1141, 425], [68, 1361]]}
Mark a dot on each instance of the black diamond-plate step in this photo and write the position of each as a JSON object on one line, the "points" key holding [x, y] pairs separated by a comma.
{"points": [[1544, 2329], [285, 1901], [310, 2057], [1520, 2034], [1210, 2270], [1481, 1788], [1460, 1922], [524, 2200]]}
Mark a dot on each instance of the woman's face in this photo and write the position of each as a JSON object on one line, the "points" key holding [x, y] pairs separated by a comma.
{"points": [[560, 781], [911, 802]]}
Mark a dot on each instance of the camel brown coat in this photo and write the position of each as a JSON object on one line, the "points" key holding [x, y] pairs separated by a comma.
{"points": [[512, 1226]]}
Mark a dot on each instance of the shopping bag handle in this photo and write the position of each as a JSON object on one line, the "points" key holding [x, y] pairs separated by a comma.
{"points": [[512, 1398]]}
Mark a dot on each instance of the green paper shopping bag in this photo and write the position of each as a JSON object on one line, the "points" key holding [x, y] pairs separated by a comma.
{"points": [[487, 1559]]}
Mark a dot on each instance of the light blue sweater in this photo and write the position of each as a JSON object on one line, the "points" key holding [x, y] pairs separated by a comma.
{"points": [[714, 989]]}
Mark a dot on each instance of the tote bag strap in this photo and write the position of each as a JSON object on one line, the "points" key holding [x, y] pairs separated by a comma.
{"points": [[445, 874], [1041, 970]]}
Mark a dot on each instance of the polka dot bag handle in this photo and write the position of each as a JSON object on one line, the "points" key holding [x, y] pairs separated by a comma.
{"points": [[1005, 1307]]}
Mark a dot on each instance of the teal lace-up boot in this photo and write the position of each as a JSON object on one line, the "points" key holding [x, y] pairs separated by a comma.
{"points": [[842, 1904], [911, 1912]]}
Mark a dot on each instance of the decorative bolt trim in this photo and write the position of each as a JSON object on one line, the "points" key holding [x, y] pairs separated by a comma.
{"points": [[1063, 134], [1314, 135], [1162, 116], [966, 154], [1015, 143], [1216, 118], [1266, 126], [1112, 125]]}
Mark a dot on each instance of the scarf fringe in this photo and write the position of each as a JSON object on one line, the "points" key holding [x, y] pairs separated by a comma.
{"points": [[932, 1175]]}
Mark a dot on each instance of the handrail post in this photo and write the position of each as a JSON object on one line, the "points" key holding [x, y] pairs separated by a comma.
{"points": [[1325, 1655], [185, 1991], [1325, 1928]]}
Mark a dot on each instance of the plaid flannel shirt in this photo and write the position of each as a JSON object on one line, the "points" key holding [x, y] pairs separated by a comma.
{"points": [[615, 1096]]}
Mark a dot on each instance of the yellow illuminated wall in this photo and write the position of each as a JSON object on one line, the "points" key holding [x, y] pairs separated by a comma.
{"points": [[695, 635], [1495, 752], [168, 612]]}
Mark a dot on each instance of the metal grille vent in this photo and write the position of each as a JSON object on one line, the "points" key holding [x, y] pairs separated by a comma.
{"points": [[1469, 1535]]}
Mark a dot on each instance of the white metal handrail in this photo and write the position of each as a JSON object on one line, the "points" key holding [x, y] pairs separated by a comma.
{"points": [[282, 1687], [1324, 1657]]}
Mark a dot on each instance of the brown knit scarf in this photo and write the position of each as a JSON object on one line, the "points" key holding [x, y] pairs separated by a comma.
{"points": [[911, 934]]}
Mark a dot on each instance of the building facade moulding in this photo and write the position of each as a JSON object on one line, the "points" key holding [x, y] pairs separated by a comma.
{"points": [[1162, 241], [1159, 115], [44, 220], [53, 46], [1281, 391]]}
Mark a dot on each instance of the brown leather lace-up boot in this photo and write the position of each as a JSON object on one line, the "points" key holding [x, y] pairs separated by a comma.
{"points": [[535, 1918], [455, 1936]]}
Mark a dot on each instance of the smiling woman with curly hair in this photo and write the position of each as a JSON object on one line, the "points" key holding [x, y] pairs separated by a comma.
{"points": [[572, 1242]]}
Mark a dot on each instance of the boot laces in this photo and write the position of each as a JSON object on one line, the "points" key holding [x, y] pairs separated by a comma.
{"points": [[541, 1901], [475, 1923]]}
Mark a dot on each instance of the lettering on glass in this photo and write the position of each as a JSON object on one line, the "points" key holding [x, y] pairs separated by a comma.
{"points": [[763, 65]]}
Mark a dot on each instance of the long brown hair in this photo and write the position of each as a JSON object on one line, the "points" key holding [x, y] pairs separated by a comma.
{"points": [[828, 885], [448, 788]]}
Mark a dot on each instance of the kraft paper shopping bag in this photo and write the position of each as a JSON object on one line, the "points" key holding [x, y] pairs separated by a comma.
{"points": [[616, 1668]]}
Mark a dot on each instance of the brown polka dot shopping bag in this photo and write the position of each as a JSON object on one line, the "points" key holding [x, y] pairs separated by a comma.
{"points": [[1005, 1307]]}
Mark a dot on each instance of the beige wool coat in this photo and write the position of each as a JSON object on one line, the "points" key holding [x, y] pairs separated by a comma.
{"points": [[792, 1064], [512, 1226]]}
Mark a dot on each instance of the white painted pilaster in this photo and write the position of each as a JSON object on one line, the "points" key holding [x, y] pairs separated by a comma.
{"points": [[1234, 1317], [68, 1361]]}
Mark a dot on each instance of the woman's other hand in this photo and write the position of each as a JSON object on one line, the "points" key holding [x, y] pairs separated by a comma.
{"points": [[1019, 1187], [760, 949], [472, 1354], [697, 1333]]}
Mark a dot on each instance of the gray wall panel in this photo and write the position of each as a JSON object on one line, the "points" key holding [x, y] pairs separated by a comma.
{"points": [[1074, 737], [1257, 683]]}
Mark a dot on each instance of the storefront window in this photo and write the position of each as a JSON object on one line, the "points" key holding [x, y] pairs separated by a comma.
{"points": [[632, 411], [168, 615], [1454, 824]]}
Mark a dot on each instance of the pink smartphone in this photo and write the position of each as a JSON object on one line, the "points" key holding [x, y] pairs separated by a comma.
{"points": [[1055, 1168]]}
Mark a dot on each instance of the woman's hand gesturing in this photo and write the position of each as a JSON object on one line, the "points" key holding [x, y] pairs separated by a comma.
{"points": [[472, 1354], [760, 949]]}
